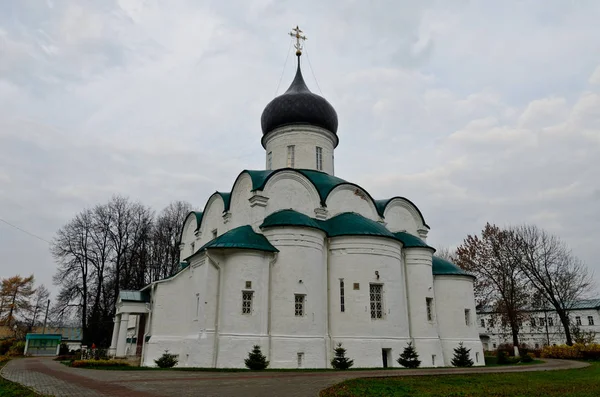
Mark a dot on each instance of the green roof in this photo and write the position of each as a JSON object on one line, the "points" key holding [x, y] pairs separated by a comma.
{"points": [[410, 241], [134, 296], [226, 200], [346, 224], [441, 267], [323, 182], [242, 237], [352, 224], [290, 218], [382, 204], [198, 218], [44, 336]]}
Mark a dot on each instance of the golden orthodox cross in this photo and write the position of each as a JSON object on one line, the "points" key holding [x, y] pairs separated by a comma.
{"points": [[297, 33]]}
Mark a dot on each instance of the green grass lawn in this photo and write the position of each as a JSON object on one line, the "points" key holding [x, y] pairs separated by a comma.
{"points": [[583, 382], [8, 388]]}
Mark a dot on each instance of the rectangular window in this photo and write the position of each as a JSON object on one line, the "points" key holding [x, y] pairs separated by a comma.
{"points": [[542, 322], [319, 154], [376, 292], [533, 322], [291, 156], [468, 317], [429, 302], [482, 323], [578, 320], [433, 360], [247, 302], [214, 233], [342, 303], [299, 305], [197, 305], [550, 321], [193, 245], [248, 284], [300, 359], [590, 320], [269, 160], [356, 286], [476, 357]]}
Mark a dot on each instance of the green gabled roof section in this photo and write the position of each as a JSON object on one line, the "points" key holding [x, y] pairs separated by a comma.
{"points": [[134, 296], [382, 204], [353, 224], [290, 218], [226, 196], [410, 241], [242, 237], [442, 267], [198, 219]]}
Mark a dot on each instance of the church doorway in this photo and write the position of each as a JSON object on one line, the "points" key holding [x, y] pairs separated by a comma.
{"points": [[386, 355]]}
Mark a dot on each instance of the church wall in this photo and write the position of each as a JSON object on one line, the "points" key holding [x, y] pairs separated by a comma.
{"points": [[241, 212], [419, 282], [349, 198], [399, 216], [355, 260], [453, 329], [188, 236], [212, 219], [300, 269], [305, 138], [238, 332], [287, 190]]}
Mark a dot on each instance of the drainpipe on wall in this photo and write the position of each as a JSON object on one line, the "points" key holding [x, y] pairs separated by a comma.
{"points": [[271, 263], [217, 309], [327, 272]]}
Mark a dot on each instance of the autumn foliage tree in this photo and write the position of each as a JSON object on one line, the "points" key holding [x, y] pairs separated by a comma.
{"points": [[495, 260], [15, 298]]}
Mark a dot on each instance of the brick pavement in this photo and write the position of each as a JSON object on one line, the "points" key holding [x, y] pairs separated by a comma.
{"points": [[52, 378]]}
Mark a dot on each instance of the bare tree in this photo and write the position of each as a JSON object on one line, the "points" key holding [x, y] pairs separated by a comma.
{"points": [[39, 301], [447, 254], [500, 282], [558, 276]]}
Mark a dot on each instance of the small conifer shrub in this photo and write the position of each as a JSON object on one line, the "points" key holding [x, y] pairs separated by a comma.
{"points": [[340, 361], [256, 360], [461, 356], [409, 357], [167, 360]]}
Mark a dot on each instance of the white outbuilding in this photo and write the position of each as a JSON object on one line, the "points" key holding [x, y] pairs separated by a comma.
{"points": [[297, 260]]}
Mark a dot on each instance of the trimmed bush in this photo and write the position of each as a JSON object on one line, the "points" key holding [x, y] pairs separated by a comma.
{"points": [[256, 360], [167, 360], [409, 357], [575, 352], [461, 356], [98, 363], [340, 361]]}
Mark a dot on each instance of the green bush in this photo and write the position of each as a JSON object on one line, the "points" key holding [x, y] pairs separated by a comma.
{"points": [[501, 357], [409, 357], [256, 360], [17, 349], [99, 363], [64, 349], [340, 361], [527, 357], [167, 360]]}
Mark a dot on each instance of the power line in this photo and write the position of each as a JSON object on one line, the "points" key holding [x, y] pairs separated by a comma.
{"points": [[24, 231], [311, 69], [285, 63]]}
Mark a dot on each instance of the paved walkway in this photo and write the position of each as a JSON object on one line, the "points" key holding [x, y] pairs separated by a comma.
{"points": [[52, 378]]}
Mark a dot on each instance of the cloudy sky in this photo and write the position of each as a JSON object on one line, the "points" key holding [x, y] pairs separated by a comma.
{"points": [[475, 110]]}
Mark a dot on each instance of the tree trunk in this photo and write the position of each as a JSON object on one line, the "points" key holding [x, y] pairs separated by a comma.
{"points": [[564, 319]]}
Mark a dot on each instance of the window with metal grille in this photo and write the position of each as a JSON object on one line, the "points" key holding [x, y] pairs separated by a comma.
{"points": [[291, 156], [467, 317], [376, 292], [542, 322], [299, 305], [578, 320], [429, 302], [533, 322], [483, 323], [342, 303], [300, 359], [590, 320], [247, 302], [550, 321], [269, 160], [319, 154]]}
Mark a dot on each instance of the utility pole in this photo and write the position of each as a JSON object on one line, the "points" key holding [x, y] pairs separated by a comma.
{"points": [[46, 318]]}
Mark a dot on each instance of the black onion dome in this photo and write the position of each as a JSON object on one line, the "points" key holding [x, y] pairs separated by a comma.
{"points": [[299, 106]]}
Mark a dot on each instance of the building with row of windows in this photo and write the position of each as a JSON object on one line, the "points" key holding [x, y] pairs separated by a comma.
{"points": [[540, 327], [296, 260]]}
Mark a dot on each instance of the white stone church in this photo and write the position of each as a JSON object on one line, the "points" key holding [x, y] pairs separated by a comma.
{"points": [[296, 260]]}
